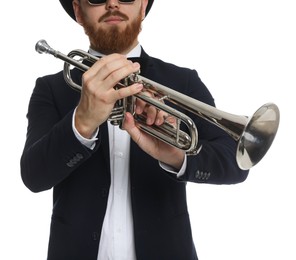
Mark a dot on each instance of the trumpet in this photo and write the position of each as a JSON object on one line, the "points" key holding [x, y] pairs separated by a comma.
{"points": [[254, 135]]}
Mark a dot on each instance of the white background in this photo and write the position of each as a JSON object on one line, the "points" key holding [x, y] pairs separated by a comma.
{"points": [[244, 52]]}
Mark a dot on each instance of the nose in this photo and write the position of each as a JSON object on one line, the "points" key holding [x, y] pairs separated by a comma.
{"points": [[112, 4]]}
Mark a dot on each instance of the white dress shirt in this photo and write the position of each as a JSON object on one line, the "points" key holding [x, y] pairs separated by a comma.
{"points": [[117, 236]]}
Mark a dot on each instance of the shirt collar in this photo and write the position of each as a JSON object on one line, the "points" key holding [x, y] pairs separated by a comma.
{"points": [[135, 52]]}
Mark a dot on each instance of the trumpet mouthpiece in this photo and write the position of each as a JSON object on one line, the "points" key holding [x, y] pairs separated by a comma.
{"points": [[43, 47]]}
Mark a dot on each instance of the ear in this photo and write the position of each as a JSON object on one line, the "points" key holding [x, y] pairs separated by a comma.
{"points": [[77, 11], [144, 6]]}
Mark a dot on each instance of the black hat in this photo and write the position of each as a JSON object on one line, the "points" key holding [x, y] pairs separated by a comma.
{"points": [[67, 4]]}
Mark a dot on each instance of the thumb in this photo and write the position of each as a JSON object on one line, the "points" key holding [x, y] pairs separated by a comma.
{"points": [[135, 133], [129, 124]]}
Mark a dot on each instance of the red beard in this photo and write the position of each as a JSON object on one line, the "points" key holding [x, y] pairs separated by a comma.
{"points": [[113, 40]]}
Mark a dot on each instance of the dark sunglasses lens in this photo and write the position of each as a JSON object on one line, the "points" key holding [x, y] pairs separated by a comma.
{"points": [[99, 2], [96, 2]]}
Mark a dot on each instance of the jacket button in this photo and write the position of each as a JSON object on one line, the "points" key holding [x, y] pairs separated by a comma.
{"points": [[79, 156], [75, 160], [202, 175], [104, 192], [95, 236], [70, 164]]}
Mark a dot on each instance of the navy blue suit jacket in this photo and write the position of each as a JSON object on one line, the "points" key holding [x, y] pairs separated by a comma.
{"points": [[80, 178]]}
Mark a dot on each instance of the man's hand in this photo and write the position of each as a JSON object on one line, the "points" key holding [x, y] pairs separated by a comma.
{"points": [[98, 95], [156, 148]]}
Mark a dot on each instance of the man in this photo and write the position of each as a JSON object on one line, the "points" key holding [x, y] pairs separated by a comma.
{"points": [[117, 194]]}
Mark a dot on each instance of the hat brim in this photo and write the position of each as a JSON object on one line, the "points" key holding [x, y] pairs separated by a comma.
{"points": [[67, 5]]}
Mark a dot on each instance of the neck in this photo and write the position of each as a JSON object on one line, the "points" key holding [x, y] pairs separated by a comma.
{"points": [[133, 52], [131, 47]]}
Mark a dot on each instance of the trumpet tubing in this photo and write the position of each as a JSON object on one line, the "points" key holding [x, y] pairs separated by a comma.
{"points": [[254, 135]]}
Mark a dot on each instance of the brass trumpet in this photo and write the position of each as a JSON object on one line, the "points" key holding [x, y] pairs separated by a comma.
{"points": [[254, 135]]}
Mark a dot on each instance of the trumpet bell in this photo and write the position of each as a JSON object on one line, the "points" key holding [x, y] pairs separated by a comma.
{"points": [[257, 136]]}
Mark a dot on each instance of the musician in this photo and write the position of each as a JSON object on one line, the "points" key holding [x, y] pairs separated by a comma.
{"points": [[118, 194]]}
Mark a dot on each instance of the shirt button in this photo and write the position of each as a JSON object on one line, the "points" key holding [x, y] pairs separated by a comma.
{"points": [[104, 192], [119, 154]]}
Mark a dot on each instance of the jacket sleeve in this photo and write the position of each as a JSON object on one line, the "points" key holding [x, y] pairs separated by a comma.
{"points": [[216, 161], [51, 152]]}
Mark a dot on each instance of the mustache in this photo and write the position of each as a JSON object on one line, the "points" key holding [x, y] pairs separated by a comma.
{"points": [[113, 13]]}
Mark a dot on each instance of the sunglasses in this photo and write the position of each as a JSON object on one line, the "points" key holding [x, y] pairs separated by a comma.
{"points": [[101, 2]]}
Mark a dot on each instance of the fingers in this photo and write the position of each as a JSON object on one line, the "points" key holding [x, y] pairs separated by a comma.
{"points": [[110, 70], [98, 95], [127, 91], [153, 114], [154, 147]]}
